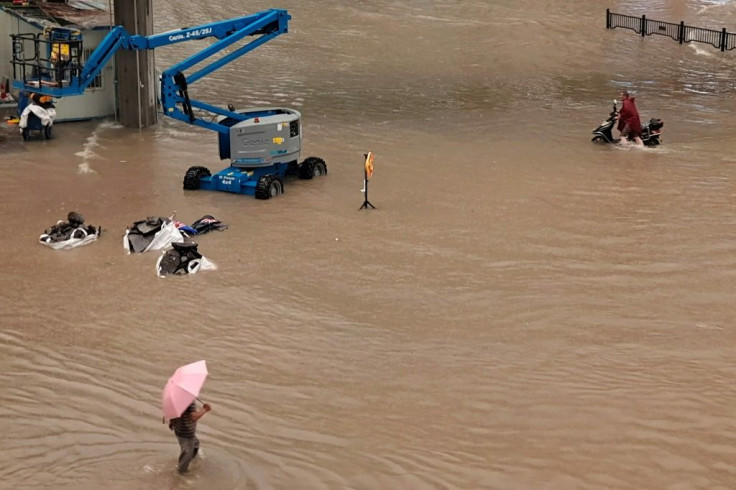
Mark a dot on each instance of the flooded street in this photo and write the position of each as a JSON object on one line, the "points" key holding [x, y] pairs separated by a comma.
{"points": [[523, 309]]}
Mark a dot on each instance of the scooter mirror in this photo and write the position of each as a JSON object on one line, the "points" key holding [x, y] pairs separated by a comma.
{"points": [[615, 102]]}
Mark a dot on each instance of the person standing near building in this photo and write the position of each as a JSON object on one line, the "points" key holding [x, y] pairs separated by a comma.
{"points": [[185, 428]]}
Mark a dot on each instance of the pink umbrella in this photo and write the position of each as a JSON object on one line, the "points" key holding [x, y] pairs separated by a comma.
{"points": [[183, 388]]}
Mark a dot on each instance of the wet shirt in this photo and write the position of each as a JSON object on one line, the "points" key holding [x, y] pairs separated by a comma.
{"points": [[184, 426]]}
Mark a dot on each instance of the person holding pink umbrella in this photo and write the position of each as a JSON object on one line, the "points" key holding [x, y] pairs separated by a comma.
{"points": [[177, 405], [185, 428]]}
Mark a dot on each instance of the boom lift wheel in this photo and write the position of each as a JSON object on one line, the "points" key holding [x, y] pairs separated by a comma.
{"points": [[269, 186], [312, 167], [191, 179]]}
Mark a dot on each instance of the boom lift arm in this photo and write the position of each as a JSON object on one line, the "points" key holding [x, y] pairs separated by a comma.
{"points": [[260, 27]]}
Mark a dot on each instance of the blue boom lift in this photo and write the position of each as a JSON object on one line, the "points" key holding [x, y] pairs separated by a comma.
{"points": [[263, 144]]}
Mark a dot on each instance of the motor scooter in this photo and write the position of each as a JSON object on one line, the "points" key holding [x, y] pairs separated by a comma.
{"points": [[650, 132], [37, 114]]}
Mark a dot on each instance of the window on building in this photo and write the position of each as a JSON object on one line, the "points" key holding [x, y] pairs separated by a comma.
{"points": [[97, 82]]}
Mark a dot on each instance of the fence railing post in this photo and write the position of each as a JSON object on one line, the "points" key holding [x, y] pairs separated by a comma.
{"points": [[643, 25], [681, 32], [608, 18], [723, 39]]}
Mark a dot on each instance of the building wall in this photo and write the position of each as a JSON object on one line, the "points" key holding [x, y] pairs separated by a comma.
{"points": [[7, 25], [94, 103]]}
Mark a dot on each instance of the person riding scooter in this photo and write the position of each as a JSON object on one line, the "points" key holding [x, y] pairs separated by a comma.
{"points": [[628, 119], [650, 135]]}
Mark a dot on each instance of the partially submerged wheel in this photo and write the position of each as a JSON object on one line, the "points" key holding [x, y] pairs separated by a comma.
{"points": [[79, 234], [191, 178], [25, 134], [598, 139], [312, 167], [47, 132], [269, 186]]}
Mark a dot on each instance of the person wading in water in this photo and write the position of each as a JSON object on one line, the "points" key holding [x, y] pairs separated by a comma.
{"points": [[185, 428]]}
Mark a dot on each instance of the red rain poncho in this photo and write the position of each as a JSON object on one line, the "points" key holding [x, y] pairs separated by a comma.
{"points": [[629, 115]]}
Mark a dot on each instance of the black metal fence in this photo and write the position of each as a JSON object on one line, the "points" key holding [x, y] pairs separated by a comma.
{"points": [[723, 40]]}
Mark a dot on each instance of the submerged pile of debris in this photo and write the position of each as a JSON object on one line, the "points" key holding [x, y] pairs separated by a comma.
{"points": [[70, 233], [180, 255]]}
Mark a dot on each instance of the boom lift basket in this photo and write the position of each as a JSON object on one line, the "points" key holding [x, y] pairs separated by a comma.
{"points": [[49, 59]]}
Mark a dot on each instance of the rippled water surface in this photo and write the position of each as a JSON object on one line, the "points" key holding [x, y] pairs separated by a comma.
{"points": [[522, 310]]}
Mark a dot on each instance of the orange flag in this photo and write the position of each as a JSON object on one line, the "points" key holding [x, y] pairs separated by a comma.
{"points": [[369, 165]]}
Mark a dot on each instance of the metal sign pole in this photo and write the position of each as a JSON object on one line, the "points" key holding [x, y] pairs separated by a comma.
{"points": [[367, 165]]}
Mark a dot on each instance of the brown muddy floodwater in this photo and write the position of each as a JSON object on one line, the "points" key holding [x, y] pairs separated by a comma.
{"points": [[522, 310]]}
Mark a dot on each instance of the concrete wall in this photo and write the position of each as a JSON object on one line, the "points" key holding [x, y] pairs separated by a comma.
{"points": [[136, 71], [94, 103], [7, 25]]}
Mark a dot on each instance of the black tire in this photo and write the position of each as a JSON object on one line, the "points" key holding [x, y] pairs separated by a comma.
{"points": [[312, 167], [25, 134], [598, 139], [269, 186], [47, 132], [191, 178]]}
